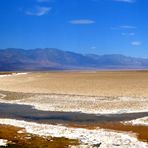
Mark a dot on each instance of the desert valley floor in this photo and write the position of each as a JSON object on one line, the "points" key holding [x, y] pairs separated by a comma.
{"points": [[74, 109]]}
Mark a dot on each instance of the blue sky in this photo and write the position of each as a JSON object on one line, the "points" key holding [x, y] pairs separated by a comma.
{"points": [[84, 26]]}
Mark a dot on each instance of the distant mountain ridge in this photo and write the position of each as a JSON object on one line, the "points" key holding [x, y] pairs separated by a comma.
{"points": [[13, 59]]}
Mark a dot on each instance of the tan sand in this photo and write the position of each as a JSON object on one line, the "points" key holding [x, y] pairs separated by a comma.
{"points": [[109, 83], [132, 85], [127, 91]]}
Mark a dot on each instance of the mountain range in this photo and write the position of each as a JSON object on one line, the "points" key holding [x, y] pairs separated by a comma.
{"points": [[14, 59]]}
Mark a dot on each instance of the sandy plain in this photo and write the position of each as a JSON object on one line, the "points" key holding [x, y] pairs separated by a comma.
{"points": [[87, 91], [105, 83], [81, 91]]}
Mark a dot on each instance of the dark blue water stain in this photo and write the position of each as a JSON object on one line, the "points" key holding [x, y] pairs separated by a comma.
{"points": [[28, 113]]}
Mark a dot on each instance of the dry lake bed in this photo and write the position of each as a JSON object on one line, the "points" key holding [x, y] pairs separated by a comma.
{"points": [[76, 109]]}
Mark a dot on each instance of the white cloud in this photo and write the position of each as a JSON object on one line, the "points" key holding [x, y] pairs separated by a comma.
{"points": [[93, 47], [42, 1], [122, 1], [136, 43], [125, 1], [125, 28], [39, 11], [128, 34], [131, 34], [128, 27], [82, 21]]}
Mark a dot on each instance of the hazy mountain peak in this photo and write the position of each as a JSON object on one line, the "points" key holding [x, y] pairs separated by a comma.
{"points": [[52, 58]]}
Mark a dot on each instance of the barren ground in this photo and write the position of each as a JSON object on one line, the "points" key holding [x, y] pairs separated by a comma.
{"points": [[89, 92], [109, 83]]}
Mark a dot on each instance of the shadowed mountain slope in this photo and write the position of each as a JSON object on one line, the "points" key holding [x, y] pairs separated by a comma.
{"points": [[54, 59]]}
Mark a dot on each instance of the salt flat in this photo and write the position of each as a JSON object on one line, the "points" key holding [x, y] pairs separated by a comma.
{"points": [[139, 121], [103, 83], [103, 92], [106, 138], [89, 92], [84, 104], [3, 142]]}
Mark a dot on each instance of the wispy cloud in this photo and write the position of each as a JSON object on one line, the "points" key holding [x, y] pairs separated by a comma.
{"points": [[136, 43], [42, 1], [93, 47], [121, 1], [39, 11], [128, 27], [82, 22], [125, 1], [128, 33]]}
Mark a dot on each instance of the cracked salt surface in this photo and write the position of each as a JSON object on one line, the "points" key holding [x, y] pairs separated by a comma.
{"points": [[3, 142], [84, 104], [106, 138]]}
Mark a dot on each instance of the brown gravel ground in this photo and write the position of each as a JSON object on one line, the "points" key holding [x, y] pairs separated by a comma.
{"points": [[25, 140], [139, 130]]}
